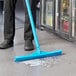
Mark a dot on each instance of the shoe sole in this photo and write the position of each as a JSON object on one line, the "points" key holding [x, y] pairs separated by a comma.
{"points": [[29, 49], [7, 47]]}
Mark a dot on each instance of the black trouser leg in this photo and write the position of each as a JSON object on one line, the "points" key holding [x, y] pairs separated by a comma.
{"points": [[1, 7], [9, 19], [27, 29]]}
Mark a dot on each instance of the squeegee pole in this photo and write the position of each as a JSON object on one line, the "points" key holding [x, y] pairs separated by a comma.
{"points": [[33, 26]]}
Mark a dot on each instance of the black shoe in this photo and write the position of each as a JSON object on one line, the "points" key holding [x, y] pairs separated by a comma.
{"points": [[28, 45], [6, 44]]}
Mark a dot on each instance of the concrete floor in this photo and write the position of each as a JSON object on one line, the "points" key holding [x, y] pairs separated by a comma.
{"points": [[64, 65]]}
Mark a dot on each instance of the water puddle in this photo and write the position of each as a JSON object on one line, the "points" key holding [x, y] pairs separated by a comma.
{"points": [[50, 61]]}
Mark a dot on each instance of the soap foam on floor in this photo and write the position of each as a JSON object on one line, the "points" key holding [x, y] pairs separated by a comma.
{"points": [[42, 62]]}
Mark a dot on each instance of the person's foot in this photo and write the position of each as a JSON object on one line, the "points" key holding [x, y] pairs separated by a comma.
{"points": [[6, 44], [28, 45]]}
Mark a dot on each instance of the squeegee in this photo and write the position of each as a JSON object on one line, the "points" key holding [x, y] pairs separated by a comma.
{"points": [[38, 53]]}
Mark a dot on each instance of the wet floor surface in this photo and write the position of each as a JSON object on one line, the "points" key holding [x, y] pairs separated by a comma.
{"points": [[64, 65]]}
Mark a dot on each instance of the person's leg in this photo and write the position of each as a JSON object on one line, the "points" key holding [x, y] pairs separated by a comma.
{"points": [[9, 19], [27, 29], [1, 7], [28, 35], [9, 23]]}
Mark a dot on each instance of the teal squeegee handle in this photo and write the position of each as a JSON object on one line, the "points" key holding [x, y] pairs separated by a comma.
{"points": [[33, 26]]}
